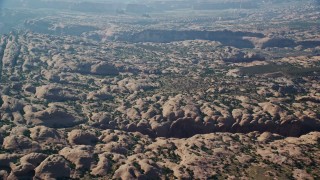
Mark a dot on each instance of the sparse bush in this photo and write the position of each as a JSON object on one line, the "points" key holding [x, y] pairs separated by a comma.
{"points": [[27, 133]]}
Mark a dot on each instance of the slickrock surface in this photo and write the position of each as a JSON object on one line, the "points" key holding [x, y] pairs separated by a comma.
{"points": [[160, 90], [125, 155]]}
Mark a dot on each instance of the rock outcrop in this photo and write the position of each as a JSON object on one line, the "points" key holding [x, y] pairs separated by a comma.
{"points": [[80, 137], [54, 117], [53, 167]]}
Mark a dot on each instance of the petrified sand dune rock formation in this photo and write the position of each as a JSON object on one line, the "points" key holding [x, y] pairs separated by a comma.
{"points": [[18, 118], [33, 158], [184, 127], [11, 104], [56, 93], [51, 76], [134, 171], [42, 133], [53, 167], [29, 88], [301, 174], [160, 129], [133, 114], [53, 117], [11, 52], [20, 143], [179, 155], [267, 136], [237, 56], [23, 171], [101, 119], [161, 96], [171, 106], [6, 159], [184, 112], [136, 85], [101, 95], [81, 137], [103, 166], [81, 156], [314, 99], [104, 68], [66, 63], [19, 130], [106, 161], [273, 110]]}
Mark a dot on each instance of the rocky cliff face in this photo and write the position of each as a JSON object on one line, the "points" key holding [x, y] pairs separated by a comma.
{"points": [[182, 118]]}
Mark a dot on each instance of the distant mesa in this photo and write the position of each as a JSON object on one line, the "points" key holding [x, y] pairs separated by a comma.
{"points": [[225, 5]]}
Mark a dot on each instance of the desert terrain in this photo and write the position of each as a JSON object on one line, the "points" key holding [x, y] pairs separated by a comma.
{"points": [[160, 89]]}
